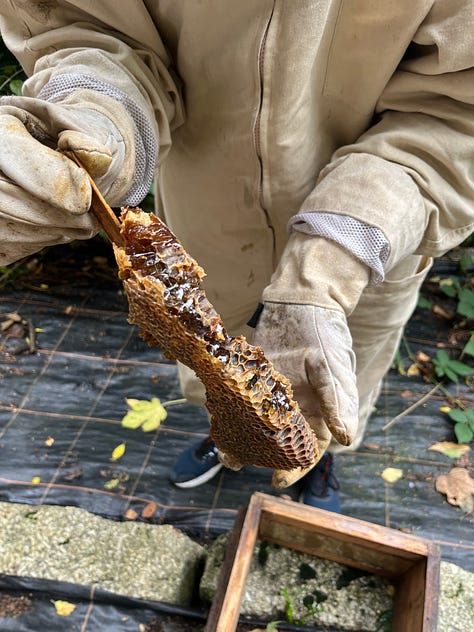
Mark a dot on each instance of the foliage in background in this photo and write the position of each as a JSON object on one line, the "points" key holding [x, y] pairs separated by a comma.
{"points": [[447, 367], [11, 73]]}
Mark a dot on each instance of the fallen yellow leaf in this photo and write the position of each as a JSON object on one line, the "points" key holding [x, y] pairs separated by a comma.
{"points": [[451, 449], [64, 608], [36, 480], [392, 474], [49, 441], [445, 409], [413, 369], [112, 484], [144, 413], [118, 452]]}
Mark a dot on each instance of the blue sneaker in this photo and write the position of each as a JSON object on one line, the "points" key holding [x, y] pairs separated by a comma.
{"points": [[320, 486], [196, 465]]}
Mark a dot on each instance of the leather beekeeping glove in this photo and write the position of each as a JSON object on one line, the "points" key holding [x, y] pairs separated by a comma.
{"points": [[303, 330], [44, 196]]}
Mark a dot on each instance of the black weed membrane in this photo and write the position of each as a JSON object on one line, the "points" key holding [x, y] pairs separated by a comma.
{"points": [[69, 361]]}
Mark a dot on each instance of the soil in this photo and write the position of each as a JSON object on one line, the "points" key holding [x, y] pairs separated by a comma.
{"points": [[13, 606]]}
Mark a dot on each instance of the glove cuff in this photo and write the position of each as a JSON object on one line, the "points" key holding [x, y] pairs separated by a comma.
{"points": [[84, 117], [317, 271]]}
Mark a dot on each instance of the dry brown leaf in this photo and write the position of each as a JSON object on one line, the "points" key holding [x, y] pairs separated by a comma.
{"points": [[130, 514], [443, 313], [422, 357], [458, 487], [149, 510]]}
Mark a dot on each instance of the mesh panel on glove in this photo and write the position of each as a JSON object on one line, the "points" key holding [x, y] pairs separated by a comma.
{"points": [[146, 145], [366, 243]]}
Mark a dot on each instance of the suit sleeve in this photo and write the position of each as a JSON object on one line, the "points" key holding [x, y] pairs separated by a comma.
{"points": [[411, 175], [110, 48]]}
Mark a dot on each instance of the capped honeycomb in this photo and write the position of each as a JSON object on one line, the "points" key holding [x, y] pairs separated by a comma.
{"points": [[254, 419]]}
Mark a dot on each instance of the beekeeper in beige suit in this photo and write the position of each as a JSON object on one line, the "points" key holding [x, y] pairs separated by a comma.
{"points": [[312, 154]]}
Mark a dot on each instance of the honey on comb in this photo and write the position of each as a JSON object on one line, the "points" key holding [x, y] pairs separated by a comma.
{"points": [[253, 416]]}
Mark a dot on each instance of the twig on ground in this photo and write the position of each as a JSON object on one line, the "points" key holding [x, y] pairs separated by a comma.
{"points": [[411, 408]]}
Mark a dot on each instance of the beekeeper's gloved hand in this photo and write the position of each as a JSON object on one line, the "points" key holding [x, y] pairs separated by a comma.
{"points": [[44, 196], [303, 330]]}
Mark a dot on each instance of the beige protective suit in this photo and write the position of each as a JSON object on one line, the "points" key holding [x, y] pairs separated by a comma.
{"points": [[267, 108]]}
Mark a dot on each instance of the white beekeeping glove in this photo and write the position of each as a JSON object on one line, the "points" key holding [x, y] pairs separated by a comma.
{"points": [[44, 196], [303, 331]]}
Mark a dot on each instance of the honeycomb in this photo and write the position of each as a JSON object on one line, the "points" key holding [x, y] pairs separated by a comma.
{"points": [[253, 417]]}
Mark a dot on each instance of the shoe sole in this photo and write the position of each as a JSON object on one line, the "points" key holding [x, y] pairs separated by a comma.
{"points": [[254, 419], [200, 480]]}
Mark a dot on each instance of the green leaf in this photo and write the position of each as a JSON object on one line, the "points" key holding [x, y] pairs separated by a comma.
{"points": [[469, 412], [463, 433], [456, 414], [469, 348], [461, 368], [290, 608], [439, 370], [452, 454], [144, 413], [466, 295], [465, 309], [447, 287], [15, 86], [453, 376], [424, 303], [466, 302], [449, 290], [442, 357]]}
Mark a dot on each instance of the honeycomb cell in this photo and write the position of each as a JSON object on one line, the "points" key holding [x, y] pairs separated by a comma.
{"points": [[253, 417]]}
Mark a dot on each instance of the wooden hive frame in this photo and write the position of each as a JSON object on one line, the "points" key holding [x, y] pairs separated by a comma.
{"points": [[409, 562]]}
